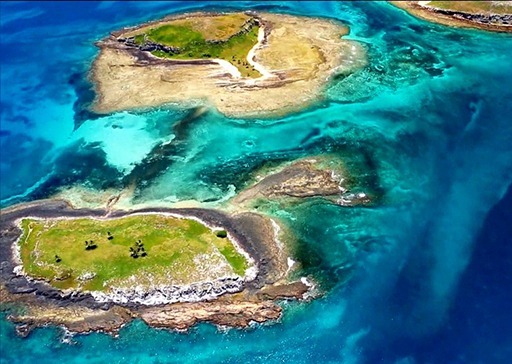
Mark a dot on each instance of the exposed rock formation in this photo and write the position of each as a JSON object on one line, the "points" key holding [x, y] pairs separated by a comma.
{"points": [[486, 21], [302, 179]]}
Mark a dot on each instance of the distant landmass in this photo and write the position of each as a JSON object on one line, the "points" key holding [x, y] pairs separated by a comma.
{"points": [[487, 15]]}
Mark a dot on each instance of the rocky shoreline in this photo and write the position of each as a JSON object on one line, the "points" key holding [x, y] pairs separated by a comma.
{"points": [[196, 292], [232, 301], [491, 22], [302, 179]]}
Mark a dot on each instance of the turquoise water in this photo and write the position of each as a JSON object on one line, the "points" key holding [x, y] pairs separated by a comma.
{"points": [[425, 129]]}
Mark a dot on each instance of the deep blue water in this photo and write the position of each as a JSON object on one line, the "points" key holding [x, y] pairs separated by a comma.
{"points": [[424, 276]]}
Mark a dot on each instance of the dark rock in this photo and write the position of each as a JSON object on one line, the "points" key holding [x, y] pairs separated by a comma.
{"points": [[23, 330], [24, 289], [16, 280], [148, 48], [105, 307]]}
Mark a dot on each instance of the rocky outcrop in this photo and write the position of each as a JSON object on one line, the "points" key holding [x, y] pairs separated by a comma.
{"points": [[30, 311], [236, 314], [148, 46], [301, 180], [201, 291], [495, 22], [295, 290]]}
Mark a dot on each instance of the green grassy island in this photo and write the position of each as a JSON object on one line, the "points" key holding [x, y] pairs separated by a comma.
{"points": [[95, 255], [229, 37]]}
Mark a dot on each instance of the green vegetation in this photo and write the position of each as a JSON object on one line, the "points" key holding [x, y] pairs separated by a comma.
{"points": [[235, 259], [139, 38], [473, 7], [216, 27], [221, 233], [166, 247], [193, 43], [175, 35]]}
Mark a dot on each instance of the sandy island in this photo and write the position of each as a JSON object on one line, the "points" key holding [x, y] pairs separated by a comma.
{"points": [[295, 56]]}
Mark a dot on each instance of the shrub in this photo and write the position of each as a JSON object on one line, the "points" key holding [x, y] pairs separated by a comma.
{"points": [[221, 234], [90, 245], [137, 250]]}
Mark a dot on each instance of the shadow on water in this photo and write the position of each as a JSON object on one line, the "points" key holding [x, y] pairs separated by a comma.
{"points": [[81, 163], [84, 91]]}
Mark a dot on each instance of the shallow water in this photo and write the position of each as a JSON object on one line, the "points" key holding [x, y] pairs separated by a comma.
{"points": [[425, 129]]}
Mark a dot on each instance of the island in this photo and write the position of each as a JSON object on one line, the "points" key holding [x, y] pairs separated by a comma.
{"points": [[487, 15], [113, 259], [249, 64], [97, 269]]}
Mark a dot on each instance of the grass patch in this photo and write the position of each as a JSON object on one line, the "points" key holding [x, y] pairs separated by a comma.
{"points": [[219, 27], [56, 250], [139, 39], [235, 259], [175, 35], [206, 38]]}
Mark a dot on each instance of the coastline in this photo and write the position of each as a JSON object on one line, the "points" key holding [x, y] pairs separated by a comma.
{"points": [[447, 17]]}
